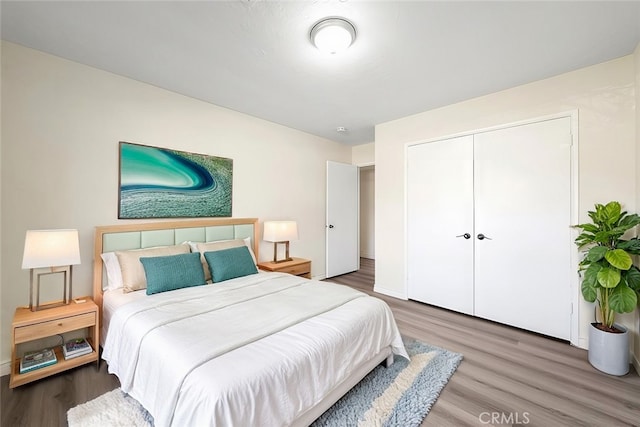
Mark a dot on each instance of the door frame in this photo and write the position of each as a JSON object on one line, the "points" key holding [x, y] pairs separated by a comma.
{"points": [[575, 299]]}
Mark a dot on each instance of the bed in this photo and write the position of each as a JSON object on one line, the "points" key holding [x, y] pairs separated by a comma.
{"points": [[260, 348]]}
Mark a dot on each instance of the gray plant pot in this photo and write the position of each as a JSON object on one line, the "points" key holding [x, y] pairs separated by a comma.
{"points": [[609, 352]]}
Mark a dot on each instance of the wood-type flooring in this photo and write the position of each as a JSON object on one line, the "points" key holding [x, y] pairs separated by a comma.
{"points": [[508, 376]]}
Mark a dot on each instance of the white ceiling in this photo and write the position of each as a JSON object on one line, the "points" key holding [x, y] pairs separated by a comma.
{"points": [[255, 56]]}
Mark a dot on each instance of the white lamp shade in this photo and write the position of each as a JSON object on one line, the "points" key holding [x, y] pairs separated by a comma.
{"points": [[280, 231], [50, 248]]}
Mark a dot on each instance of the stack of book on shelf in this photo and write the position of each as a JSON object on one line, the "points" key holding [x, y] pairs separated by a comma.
{"points": [[37, 359], [75, 348]]}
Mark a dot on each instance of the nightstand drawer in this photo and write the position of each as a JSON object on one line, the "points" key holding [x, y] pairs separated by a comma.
{"points": [[53, 327], [297, 269]]}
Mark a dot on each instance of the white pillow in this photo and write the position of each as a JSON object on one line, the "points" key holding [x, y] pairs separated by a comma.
{"points": [[112, 266]]}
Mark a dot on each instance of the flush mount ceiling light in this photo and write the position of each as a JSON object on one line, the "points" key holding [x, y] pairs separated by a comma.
{"points": [[333, 35]]}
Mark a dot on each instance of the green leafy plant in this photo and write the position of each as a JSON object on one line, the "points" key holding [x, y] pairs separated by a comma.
{"points": [[609, 274]]}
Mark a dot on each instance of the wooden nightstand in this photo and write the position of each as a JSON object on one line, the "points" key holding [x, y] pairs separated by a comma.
{"points": [[30, 325], [297, 266]]}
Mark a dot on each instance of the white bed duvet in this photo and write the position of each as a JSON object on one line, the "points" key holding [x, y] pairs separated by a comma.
{"points": [[258, 350]]}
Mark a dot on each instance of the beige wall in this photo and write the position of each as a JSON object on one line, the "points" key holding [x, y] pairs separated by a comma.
{"points": [[4, 326], [367, 212], [636, 349], [604, 97], [61, 123], [363, 155]]}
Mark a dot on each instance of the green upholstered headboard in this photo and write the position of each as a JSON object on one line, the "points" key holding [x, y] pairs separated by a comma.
{"points": [[144, 235]]}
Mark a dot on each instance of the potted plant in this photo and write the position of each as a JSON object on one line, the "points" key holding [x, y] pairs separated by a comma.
{"points": [[610, 279]]}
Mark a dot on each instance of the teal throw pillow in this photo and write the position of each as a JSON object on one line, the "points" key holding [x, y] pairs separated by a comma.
{"points": [[230, 263], [167, 273]]}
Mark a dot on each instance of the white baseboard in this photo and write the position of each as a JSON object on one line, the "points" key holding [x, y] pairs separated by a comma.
{"points": [[5, 368], [367, 255], [389, 292], [583, 343], [636, 363]]}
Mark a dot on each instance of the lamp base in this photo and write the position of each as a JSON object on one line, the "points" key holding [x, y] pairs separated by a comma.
{"points": [[275, 252], [66, 294], [48, 305]]}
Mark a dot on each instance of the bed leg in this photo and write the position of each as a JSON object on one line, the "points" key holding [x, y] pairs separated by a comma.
{"points": [[389, 361]]}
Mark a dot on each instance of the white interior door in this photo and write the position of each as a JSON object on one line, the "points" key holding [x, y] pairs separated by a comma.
{"points": [[439, 214], [342, 219], [522, 204]]}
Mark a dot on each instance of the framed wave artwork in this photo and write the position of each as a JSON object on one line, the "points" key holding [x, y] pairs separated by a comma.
{"points": [[161, 183]]}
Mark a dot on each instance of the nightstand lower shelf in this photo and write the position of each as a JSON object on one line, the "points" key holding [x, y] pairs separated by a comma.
{"points": [[18, 379]]}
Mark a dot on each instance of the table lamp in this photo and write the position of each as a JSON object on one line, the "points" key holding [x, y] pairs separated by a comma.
{"points": [[56, 250], [280, 232]]}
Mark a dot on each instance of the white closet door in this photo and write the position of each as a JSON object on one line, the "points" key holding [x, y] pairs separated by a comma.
{"points": [[440, 207], [522, 203]]}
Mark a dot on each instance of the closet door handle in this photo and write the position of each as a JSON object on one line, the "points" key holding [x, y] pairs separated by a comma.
{"points": [[465, 235], [482, 237]]}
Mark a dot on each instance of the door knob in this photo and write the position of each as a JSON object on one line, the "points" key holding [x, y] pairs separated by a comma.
{"points": [[482, 237], [465, 235]]}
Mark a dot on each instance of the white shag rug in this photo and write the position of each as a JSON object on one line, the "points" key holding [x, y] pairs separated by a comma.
{"points": [[112, 409]]}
